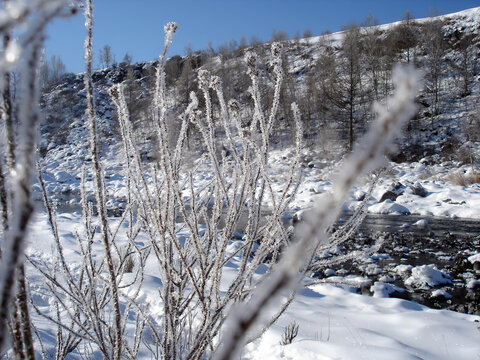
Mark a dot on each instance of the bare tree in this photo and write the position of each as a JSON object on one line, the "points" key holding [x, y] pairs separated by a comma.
{"points": [[106, 57], [186, 80], [255, 40], [372, 52], [279, 35], [326, 80], [243, 43], [127, 59], [406, 36], [344, 90], [308, 104], [351, 72], [307, 34], [466, 66], [52, 71], [434, 45]]}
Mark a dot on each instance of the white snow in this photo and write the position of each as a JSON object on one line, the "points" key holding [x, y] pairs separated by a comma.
{"points": [[443, 198], [337, 324], [383, 290], [388, 207], [474, 258], [334, 322], [427, 276], [440, 293], [473, 284], [421, 223]]}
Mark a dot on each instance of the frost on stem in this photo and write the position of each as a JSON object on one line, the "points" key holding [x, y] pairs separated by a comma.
{"points": [[27, 22], [170, 29], [284, 276], [107, 241], [191, 270]]}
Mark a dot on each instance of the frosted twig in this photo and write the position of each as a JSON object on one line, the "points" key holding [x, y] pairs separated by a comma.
{"points": [[99, 187], [21, 173]]}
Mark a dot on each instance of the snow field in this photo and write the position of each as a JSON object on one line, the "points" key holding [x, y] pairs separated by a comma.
{"points": [[333, 321]]}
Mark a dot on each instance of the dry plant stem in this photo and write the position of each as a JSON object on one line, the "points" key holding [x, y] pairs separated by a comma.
{"points": [[99, 189], [290, 333], [23, 337], [243, 187], [16, 333], [165, 224], [10, 141], [24, 313], [7, 112], [3, 201], [191, 272], [285, 275], [22, 334], [34, 18], [343, 234], [260, 172], [22, 210]]}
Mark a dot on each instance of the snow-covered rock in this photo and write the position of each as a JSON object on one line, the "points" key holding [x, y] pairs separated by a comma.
{"points": [[474, 258], [427, 276], [403, 269], [388, 207], [419, 190], [440, 294], [384, 290], [422, 223]]}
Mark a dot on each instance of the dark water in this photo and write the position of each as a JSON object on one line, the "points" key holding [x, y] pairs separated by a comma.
{"points": [[445, 242], [435, 226]]}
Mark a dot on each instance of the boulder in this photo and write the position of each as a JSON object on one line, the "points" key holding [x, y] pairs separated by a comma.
{"points": [[419, 190], [390, 195], [396, 189]]}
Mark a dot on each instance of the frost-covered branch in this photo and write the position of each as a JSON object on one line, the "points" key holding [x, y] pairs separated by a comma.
{"points": [[27, 20], [99, 186]]}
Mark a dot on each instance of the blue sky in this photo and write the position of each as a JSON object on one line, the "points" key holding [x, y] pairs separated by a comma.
{"points": [[136, 26]]}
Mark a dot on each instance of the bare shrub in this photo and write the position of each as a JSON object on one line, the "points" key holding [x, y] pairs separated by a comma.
{"points": [[290, 332], [464, 179], [457, 179], [203, 313], [466, 154], [195, 305]]}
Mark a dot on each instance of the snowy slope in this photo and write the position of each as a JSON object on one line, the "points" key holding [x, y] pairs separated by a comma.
{"points": [[65, 141], [337, 324]]}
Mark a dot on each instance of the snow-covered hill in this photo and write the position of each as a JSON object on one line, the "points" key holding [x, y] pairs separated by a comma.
{"points": [[435, 153]]}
